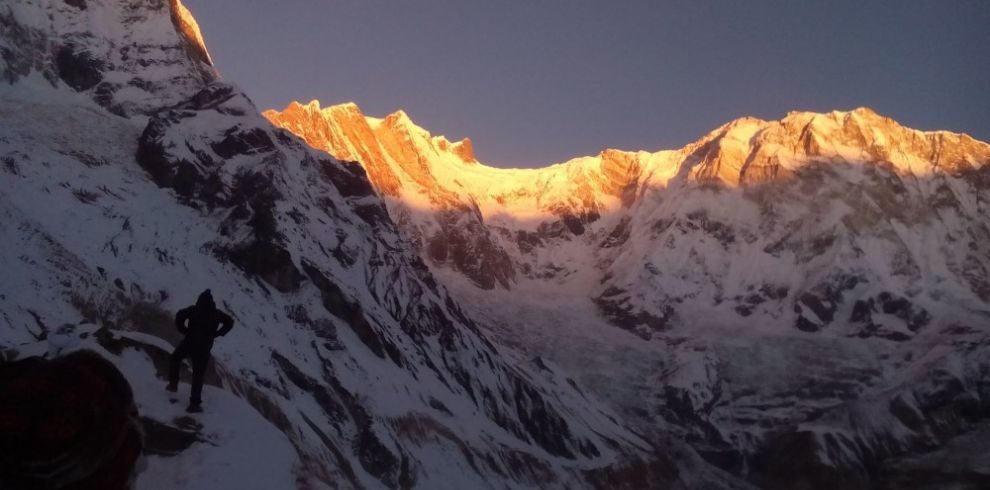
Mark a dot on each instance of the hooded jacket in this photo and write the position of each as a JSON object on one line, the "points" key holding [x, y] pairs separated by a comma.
{"points": [[203, 322]]}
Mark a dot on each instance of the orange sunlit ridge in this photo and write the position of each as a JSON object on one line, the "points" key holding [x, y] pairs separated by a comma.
{"points": [[405, 161]]}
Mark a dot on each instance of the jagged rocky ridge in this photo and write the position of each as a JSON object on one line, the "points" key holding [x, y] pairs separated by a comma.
{"points": [[133, 177], [807, 299]]}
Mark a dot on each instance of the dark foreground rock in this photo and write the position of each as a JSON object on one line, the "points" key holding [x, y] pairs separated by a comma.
{"points": [[68, 423]]}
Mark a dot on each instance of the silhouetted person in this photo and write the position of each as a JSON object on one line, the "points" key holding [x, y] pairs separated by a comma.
{"points": [[200, 323]]}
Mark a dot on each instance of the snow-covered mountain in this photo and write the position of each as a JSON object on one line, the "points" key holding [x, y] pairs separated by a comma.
{"points": [[133, 177], [805, 300], [794, 197]]}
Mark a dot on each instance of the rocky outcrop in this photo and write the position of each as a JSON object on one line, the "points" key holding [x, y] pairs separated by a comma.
{"points": [[465, 244], [157, 59], [68, 422]]}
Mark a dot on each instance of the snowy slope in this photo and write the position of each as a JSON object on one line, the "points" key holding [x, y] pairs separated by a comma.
{"points": [[216, 451], [762, 277], [121, 203]]}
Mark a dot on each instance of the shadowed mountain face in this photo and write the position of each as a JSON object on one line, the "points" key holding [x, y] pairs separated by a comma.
{"points": [[795, 292]]}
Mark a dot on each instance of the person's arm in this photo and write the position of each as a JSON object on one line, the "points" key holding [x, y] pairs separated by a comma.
{"points": [[226, 323], [180, 320]]}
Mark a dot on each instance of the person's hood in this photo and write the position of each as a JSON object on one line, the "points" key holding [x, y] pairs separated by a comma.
{"points": [[206, 300]]}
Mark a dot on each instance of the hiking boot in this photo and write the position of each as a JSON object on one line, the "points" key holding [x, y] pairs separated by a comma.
{"points": [[173, 387], [194, 408]]}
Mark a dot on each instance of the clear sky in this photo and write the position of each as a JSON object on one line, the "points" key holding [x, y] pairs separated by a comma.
{"points": [[533, 82]]}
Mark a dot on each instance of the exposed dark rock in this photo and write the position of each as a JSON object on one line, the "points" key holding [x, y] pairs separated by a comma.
{"points": [[10, 165], [975, 273], [613, 304], [324, 328], [342, 407], [166, 440], [466, 244], [862, 311], [333, 408], [374, 214], [212, 97], [268, 261], [619, 235], [17, 58], [790, 461], [439, 406], [88, 160], [767, 293], [822, 301], [914, 317], [546, 427], [635, 474], [932, 475], [67, 423], [805, 325], [183, 176], [555, 229], [349, 178], [825, 312], [573, 223], [907, 413], [77, 68], [376, 458], [345, 308], [243, 142], [527, 241], [255, 196], [699, 220]]}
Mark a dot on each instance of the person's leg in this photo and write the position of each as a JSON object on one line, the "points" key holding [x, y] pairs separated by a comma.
{"points": [[200, 361], [175, 364]]}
